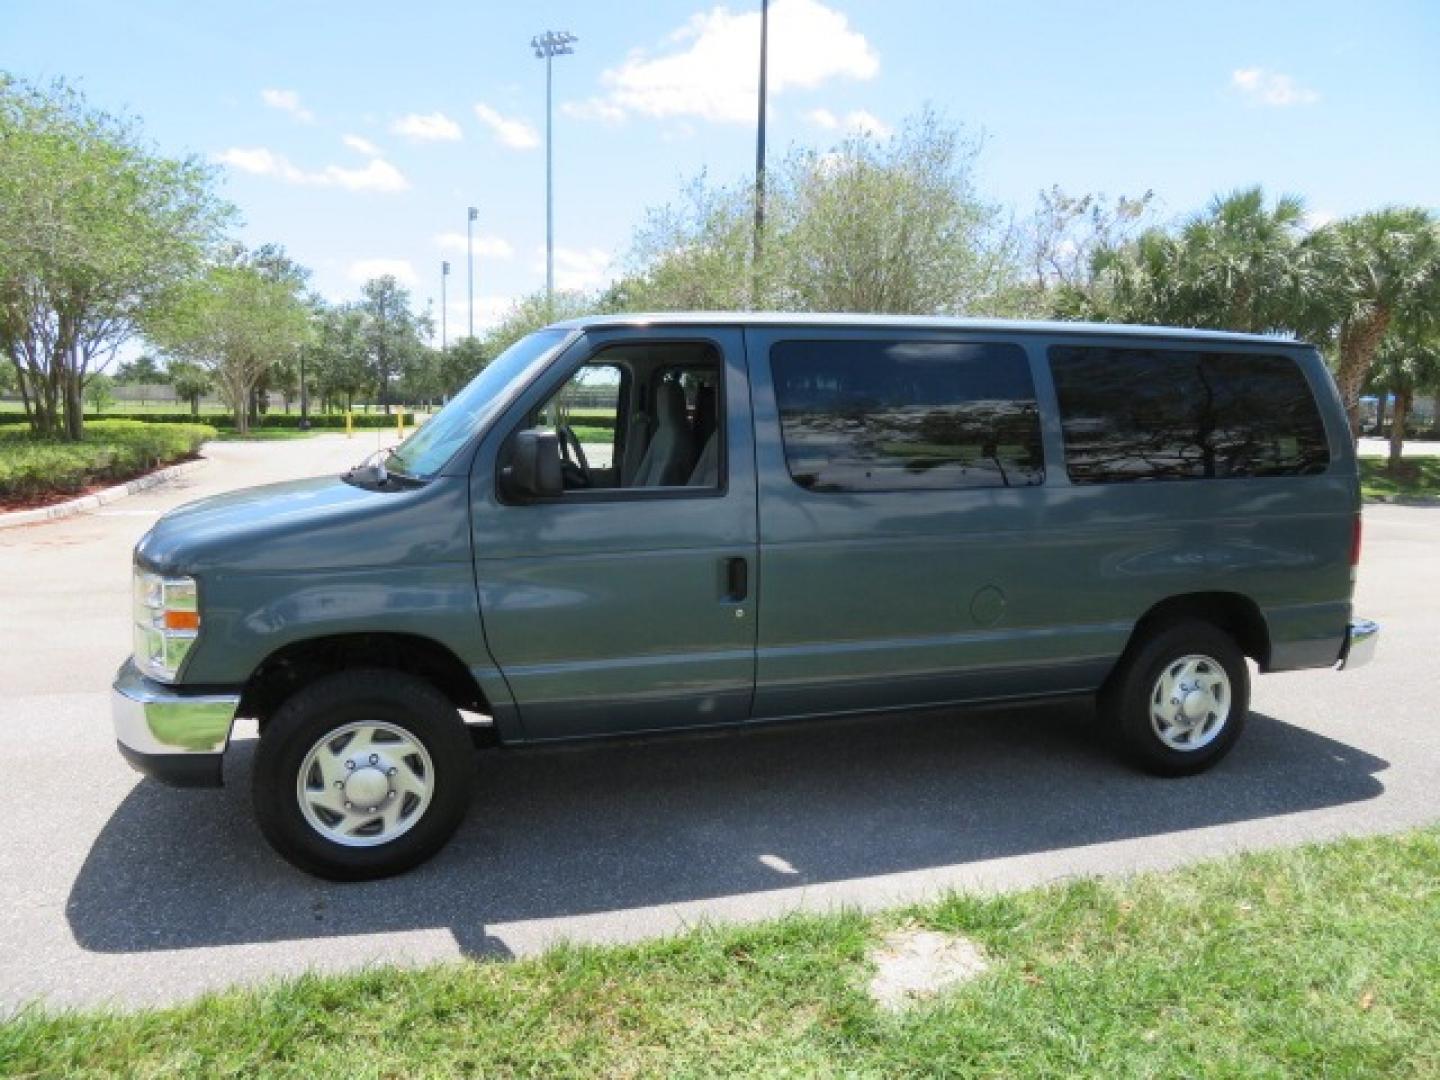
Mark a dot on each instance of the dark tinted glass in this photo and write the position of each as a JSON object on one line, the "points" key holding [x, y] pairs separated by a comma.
{"points": [[904, 415], [1173, 414]]}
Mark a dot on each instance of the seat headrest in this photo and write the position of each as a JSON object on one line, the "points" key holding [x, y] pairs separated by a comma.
{"points": [[670, 403]]}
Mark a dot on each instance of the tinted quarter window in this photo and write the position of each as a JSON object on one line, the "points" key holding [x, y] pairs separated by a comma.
{"points": [[1179, 414], [907, 415]]}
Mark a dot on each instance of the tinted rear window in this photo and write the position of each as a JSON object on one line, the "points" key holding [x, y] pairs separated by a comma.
{"points": [[1178, 414], [906, 415]]}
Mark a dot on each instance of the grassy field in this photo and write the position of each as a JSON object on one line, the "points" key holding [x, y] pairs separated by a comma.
{"points": [[1417, 477], [1322, 961], [33, 469]]}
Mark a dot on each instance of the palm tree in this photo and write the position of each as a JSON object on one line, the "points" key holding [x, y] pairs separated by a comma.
{"points": [[1373, 272], [1236, 265], [1405, 365]]}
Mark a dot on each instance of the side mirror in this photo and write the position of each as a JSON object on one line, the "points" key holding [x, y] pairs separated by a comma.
{"points": [[534, 468]]}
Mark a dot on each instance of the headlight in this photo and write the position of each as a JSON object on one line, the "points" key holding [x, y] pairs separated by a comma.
{"points": [[167, 621]]}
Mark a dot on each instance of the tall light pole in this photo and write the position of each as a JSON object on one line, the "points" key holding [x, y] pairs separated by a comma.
{"points": [[444, 328], [470, 262], [760, 158], [547, 46]]}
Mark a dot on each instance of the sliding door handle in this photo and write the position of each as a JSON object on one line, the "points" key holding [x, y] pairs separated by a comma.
{"points": [[737, 579]]}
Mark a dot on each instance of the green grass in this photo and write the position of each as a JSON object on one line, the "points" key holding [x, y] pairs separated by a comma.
{"points": [[1416, 477], [1322, 961], [271, 434], [112, 450]]}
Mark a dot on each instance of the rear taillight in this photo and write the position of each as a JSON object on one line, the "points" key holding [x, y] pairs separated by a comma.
{"points": [[1355, 533]]}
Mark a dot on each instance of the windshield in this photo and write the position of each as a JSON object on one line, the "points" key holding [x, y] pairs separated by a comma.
{"points": [[435, 442]]}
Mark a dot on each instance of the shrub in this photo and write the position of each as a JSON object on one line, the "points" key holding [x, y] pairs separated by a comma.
{"points": [[112, 450]]}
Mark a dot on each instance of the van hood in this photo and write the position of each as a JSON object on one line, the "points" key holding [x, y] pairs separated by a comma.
{"points": [[320, 523]]}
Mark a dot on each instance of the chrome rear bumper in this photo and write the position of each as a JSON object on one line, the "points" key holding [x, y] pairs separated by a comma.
{"points": [[164, 732], [1361, 637]]}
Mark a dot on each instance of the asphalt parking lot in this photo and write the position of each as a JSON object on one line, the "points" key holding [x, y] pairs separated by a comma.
{"points": [[121, 891]]}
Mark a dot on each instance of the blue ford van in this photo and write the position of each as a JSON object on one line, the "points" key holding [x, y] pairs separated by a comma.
{"points": [[657, 523]]}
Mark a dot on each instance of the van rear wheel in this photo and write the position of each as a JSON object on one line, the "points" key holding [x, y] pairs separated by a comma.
{"points": [[362, 775], [1178, 701]]}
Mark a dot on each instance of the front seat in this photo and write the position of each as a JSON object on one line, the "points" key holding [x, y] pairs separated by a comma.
{"points": [[672, 448]]}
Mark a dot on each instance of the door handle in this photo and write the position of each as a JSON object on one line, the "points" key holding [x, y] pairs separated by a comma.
{"points": [[737, 579]]}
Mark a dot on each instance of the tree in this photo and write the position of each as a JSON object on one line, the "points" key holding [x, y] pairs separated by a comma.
{"points": [[873, 225], [461, 363], [99, 388], [238, 320], [531, 313], [142, 371], [191, 382], [339, 365], [1375, 272], [393, 333], [94, 229], [1240, 264], [1405, 365]]}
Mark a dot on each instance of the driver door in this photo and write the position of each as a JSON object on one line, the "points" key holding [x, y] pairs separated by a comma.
{"points": [[627, 602]]}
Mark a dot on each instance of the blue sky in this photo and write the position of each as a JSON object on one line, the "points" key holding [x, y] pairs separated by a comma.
{"points": [[357, 133]]}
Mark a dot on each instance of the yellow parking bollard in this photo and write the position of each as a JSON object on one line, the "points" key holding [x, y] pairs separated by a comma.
{"points": [[349, 425]]}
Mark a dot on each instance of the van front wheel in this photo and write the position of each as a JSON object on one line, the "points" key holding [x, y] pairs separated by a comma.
{"points": [[1179, 699], [362, 775]]}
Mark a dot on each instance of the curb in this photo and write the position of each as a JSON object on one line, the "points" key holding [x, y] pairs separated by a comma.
{"points": [[98, 499]]}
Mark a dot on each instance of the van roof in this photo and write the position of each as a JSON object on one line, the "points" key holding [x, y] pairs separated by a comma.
{"points": [[912, 322]]}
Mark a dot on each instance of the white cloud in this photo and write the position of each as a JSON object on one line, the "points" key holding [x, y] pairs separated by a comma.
{"points": [[287, 101], [362, 270], [858, 121], [1271, 88], [490, 309], [593, 109], [709, 67], [360, 145], [511, 132], [377, 174], [430, 127], [488, 247], [578, 269]]}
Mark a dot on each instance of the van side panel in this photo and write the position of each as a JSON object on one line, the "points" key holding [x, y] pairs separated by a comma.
{"points": [[890, 599]]}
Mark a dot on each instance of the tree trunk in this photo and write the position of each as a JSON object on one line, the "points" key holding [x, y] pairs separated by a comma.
{"points": [[1359, 342], [1380, 403], [1403, 400], [194, 404]]}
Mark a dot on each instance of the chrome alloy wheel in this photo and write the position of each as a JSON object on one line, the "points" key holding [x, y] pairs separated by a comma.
{"points": [[365, 784], [1190, 703]]}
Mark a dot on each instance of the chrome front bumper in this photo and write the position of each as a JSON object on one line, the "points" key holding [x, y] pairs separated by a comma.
{"points": [[1361, 637], [167, 733]]}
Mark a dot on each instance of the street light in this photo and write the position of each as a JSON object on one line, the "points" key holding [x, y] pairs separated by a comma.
{"points": [[760, 158], [444, 328], [547, 46], [470, 263]]}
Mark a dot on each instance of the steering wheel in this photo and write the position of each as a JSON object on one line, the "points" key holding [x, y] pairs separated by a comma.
{"points": [[577, 472]]}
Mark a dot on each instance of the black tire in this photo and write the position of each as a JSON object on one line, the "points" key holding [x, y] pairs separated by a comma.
{"points": [[370, 695], [1125, 702]]}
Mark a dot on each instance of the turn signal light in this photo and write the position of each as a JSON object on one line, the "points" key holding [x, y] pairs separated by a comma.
{"points": [[182, 620]]}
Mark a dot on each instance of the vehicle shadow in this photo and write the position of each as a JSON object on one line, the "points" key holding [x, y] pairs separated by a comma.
{"points": [[568, 831]]}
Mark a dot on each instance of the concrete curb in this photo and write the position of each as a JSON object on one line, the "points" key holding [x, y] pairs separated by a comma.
{"points": [[98, 499]]}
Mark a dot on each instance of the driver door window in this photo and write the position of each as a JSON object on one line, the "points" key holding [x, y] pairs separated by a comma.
{"points": [[640, 418], [587, 416]]}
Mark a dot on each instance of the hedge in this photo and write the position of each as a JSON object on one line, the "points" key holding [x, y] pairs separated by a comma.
{"points": [[226, 421], [112, 450]]}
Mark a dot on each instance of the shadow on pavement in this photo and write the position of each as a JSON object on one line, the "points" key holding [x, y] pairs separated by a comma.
{"points": [[621, 825]]}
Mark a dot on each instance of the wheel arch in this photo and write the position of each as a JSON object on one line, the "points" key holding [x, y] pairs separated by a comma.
{"points": [[1235, 613], [293, 666]]}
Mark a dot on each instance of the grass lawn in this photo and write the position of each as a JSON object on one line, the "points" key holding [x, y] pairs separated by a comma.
{"points": [[272, 434], [1416, 477], [1318, 961]]}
